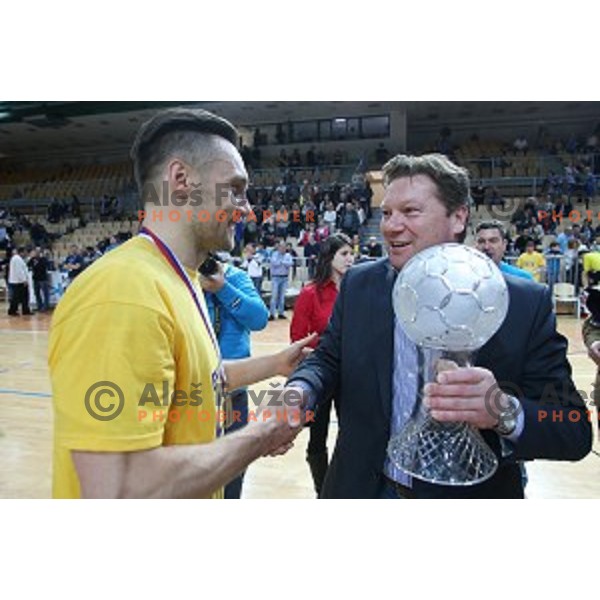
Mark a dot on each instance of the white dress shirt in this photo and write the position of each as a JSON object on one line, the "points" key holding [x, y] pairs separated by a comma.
{"points": [[17, 270]]}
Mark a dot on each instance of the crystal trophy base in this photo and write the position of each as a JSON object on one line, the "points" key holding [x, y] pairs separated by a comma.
{"points": [[452, 454]]}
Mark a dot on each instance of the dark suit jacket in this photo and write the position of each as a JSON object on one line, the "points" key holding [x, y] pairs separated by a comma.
{"points": [[354, 361]]}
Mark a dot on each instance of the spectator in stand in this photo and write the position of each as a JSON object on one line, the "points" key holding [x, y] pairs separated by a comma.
{"points": [[251, 231], [590, 188], [538, 231], [362, 215], [350, 222], [521, 145], [496, 199], [309, 211], [296, 160], [18, 281], [294, 227], [112, 244], [281, 227], [39, 235], [550, 185], [55, 211], [311, 314], [38, 264], [283, 160], [478, 195], [311, 229], [323, 231], [572, 144], [521, 242], [74, 263], [532, 261], [569, 181], [268, 237], [75, 207], [89, 256], [330, 216], [374, 248], [311, 253], [357, 249], [553, 258]]}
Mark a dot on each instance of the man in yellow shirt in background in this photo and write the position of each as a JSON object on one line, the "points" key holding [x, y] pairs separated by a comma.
{"points": [[136, 372], [531, 261], [591, 269]]}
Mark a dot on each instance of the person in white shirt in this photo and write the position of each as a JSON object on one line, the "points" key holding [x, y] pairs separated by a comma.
{"points": [[253, 265], [18, 279], [330, 216]]}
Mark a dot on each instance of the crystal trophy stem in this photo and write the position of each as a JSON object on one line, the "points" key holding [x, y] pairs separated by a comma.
{"points": [[453, 454]]}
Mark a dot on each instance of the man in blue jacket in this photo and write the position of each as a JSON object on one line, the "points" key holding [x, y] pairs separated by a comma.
{"points": [[491, 240], [235, 309]]}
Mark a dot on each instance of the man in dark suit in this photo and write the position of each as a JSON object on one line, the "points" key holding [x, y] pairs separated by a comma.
{"points": [[367, 362]]}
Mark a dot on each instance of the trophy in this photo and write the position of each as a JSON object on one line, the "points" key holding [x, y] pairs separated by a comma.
{"points": [[450, 300]]}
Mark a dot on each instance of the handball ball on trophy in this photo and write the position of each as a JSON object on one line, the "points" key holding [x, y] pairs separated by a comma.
{"points": [[450, 301]]}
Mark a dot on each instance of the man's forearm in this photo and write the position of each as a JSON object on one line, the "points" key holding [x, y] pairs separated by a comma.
{"points": [[186, 471]]}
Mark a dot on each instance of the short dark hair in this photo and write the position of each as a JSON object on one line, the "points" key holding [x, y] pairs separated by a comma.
{"points": [[452, 181], [174, 130], [486, 225]]}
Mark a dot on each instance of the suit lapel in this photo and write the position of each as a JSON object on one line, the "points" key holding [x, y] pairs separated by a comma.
{"points": [[382, 319]]}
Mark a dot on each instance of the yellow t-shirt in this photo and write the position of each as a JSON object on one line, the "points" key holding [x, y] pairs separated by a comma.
{"points": [[129, 321], [591, 262], [532, 263]]}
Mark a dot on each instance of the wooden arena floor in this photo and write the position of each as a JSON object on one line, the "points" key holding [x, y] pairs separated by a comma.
{"points": [[26, 423]]}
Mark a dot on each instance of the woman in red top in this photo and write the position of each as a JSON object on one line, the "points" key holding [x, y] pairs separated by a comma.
{"points": [[311, 315]]}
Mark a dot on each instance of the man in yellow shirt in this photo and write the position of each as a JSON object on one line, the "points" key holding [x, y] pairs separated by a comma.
{"points": [[591, 269], [136, 372], [532, 262]]}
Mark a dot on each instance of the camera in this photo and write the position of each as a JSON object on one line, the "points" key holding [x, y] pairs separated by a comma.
{"points": [[210, 266]]}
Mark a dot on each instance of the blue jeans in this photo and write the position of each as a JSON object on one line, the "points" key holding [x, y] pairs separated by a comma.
{"points": [[42, 294], [278, 289], [257, 281], [239, 406]]}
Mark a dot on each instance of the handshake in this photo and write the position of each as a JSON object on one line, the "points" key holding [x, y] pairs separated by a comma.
{"points": [[278, 421]]}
